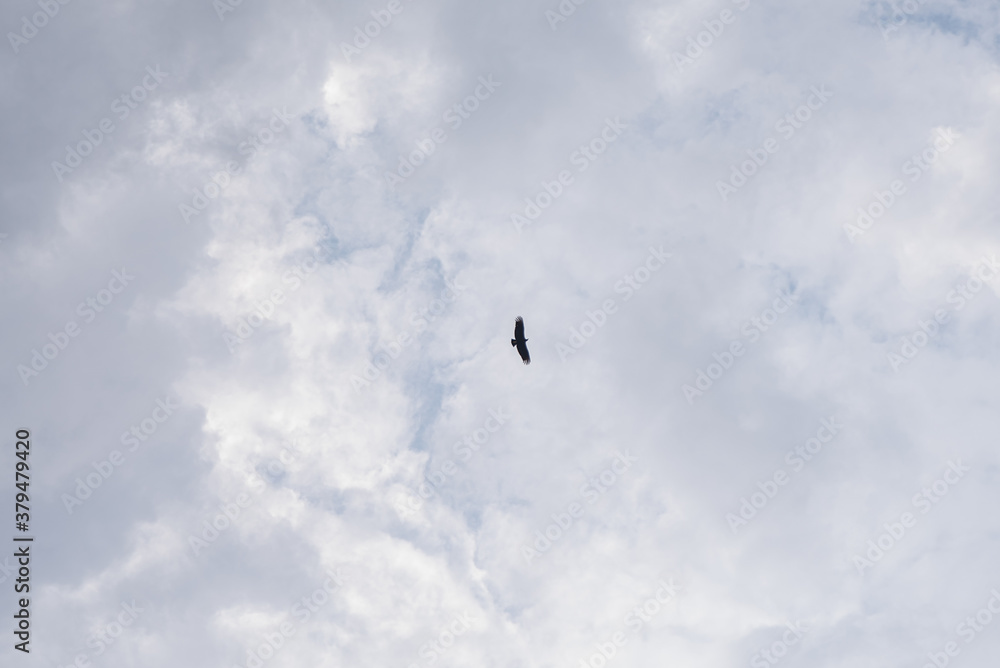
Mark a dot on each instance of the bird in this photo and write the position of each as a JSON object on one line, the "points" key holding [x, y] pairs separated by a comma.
{"points": [[519, 341]]}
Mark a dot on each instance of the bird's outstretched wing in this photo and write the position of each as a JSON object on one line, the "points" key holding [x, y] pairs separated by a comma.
{"points": [[519, 329], [522, 350]]}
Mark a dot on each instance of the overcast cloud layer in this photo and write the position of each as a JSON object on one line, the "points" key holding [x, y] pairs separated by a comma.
{"points": [[261, 270]]}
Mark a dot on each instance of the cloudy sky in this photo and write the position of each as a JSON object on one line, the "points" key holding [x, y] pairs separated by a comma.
{"points": [[261, 264]]}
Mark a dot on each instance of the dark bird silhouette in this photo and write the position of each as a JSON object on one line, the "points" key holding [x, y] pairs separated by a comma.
{"points": [[519, 341]]}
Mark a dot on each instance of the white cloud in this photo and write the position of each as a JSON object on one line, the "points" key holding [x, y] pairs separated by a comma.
{"points": [[307, 270]]}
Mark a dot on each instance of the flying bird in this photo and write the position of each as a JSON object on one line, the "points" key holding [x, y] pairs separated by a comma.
{"points": [[519, 341]]}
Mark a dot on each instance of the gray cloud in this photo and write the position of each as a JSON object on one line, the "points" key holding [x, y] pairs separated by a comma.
{"points": [[232, 248]]}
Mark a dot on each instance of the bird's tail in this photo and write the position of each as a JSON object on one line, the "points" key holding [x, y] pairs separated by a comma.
{"points": [[513, 343]]}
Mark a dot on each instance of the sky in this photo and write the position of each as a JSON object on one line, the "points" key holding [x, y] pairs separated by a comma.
{"points": [[261, 264]]}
